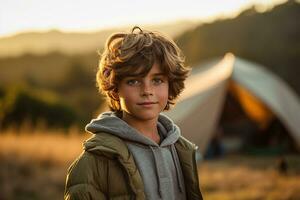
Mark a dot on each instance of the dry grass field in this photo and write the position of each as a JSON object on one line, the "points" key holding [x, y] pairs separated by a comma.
{"points": [[33, 166], [250, 178]]}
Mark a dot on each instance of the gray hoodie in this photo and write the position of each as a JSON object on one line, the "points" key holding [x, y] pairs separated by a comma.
{"points": [[158, 164]]}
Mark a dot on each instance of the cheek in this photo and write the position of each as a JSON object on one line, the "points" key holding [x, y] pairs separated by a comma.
{"points": [[125, 92], [163, 93], [126, 102], [127, 97]]}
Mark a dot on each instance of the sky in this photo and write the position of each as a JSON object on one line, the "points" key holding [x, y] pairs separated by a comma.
{"points": [[91, 15]]}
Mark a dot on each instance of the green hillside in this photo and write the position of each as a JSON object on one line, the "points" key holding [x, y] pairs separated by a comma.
{"points": [[39, 43], [70, 78], [271, 38]]}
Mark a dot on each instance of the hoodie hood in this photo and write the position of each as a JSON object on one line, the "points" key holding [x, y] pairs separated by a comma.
{"points": [[108, 122]]}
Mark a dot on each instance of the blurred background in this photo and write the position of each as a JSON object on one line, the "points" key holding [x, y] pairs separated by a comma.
{"points": [[49, 53]]}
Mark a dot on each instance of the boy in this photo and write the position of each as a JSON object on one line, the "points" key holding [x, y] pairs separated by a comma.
{"points": [[135, 151]]}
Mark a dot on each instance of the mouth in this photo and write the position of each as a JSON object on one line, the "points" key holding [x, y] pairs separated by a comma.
{"points": [[147, 103]]}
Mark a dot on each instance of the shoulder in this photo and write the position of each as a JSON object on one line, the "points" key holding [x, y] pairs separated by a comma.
{"points": [[99, 158], [99, 172], [86, 177], [85, 168]]}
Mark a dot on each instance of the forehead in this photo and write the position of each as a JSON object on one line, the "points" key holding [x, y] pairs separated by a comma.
{"points": [[155, 69], [142, 71]]}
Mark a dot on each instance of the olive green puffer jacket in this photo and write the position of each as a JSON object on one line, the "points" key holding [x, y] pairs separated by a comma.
{"points": [[106, 170]]}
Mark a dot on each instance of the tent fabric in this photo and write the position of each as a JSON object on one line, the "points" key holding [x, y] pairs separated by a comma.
{"points": [[273, 91], [199, 107]]}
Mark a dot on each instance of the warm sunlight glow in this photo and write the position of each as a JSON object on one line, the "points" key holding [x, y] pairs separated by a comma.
{"points": [[252, 106], [93, 15]]}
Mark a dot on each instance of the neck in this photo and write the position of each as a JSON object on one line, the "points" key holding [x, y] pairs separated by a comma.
{"points": [[147, 128]]}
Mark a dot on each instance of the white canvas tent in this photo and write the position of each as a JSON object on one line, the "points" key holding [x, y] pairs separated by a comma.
{"points": [[200, 105]]}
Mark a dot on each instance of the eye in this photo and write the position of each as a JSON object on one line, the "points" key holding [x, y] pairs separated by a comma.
{"points": [[132, 82], [158, 81]]}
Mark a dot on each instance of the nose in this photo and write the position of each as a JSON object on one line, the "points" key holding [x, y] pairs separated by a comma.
{"points": [[146, 89]]}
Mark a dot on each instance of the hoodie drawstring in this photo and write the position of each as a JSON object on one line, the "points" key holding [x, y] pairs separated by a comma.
{"points": [[157, 173], [176, 161]]}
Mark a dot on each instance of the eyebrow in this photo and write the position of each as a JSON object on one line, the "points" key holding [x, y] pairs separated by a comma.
{"points": [[158, 74], [138, 75]]}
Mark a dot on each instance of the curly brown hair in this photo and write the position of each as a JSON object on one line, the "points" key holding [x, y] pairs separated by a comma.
{"points": [[136, 52]]}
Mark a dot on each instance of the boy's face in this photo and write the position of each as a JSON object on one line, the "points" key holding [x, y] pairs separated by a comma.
{"points": [[143, 98]]}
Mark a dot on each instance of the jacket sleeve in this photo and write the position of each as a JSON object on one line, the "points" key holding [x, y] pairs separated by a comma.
{"points": [[83, 192], [84, 180]]}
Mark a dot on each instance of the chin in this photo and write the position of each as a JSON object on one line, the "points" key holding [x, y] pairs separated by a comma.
{"points": [[147, 116]]}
